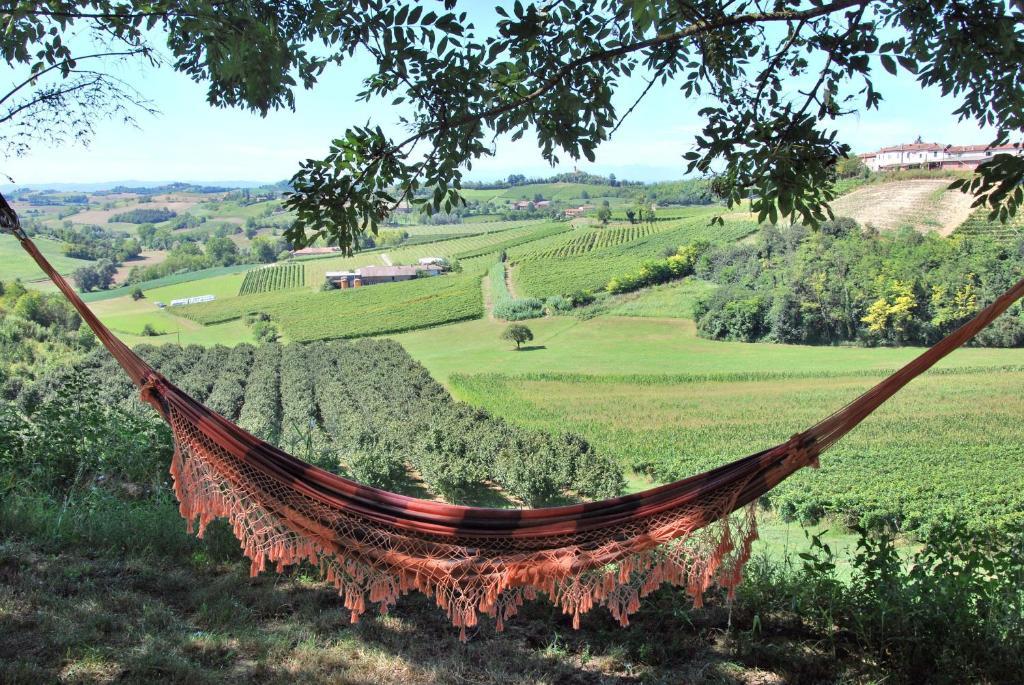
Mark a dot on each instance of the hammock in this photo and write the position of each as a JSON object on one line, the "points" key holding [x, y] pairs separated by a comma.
{"points": [[375, 545]]}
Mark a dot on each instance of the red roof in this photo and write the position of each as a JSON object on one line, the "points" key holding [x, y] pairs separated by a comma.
{"points": [[913, 147], [983, 148]]}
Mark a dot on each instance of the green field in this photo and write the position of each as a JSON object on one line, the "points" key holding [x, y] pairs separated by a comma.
{"points": [[669, 404], [670, 300], [176, 279], [16, 263]]}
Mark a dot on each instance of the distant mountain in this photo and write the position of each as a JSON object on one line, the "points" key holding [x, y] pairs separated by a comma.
{"points": [[132, 184]]}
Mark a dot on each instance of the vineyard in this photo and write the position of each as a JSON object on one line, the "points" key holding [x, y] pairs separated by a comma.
{"points": [[924, 204], [948, 447], [539, 276], [978, 224], [596, 240], [462, 248], [545, 231], [374, 310], [367, 410], [269, 278]]}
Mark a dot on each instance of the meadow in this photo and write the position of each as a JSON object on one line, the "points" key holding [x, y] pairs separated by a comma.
{"points": [[16, 263]]}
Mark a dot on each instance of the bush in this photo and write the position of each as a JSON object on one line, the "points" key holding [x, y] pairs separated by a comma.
{"points": [[519, 309], [732, 314], [149, 331], [581, 298], [557, 303], [137, 294]]}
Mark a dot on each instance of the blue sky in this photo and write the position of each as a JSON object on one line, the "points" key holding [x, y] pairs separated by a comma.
{"points": [[190, 141]]}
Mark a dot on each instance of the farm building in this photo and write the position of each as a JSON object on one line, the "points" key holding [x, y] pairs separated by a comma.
{"points": [[306, 251], [578, 211], [372, 275], [934, 156]]}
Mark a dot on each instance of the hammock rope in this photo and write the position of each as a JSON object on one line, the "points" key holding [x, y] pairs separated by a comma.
{"points": [[375, 546]]}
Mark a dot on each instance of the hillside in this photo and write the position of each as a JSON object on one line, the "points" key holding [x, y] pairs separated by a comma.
{"points": [[922, 204]]}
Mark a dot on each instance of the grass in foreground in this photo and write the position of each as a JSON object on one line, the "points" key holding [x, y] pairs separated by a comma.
{"points": [[119, 593]]}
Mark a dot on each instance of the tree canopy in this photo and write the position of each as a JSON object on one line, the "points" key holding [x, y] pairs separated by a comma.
{"points": [[777, 74]]}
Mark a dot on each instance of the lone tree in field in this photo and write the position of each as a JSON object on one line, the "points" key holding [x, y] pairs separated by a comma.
{"points": [[518, 334], [776, 76]]}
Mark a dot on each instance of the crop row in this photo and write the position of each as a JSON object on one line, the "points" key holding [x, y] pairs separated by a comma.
{"points": [[268, 278], [595, 240], [261, 410], [545, 231], [385, 414], [947, 447], [368, 410], [542, 277], [372, 310], [978, 224]]}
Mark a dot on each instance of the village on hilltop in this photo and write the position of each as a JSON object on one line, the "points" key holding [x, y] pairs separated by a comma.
{"points": [[922, 155]]}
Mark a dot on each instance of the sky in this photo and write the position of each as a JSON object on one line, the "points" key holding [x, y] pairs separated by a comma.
{"points": [[191, 141]]}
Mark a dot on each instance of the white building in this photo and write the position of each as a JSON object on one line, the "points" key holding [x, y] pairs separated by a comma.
{"points": [[934, 156]]}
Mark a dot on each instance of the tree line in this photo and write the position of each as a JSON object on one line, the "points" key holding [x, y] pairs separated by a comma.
{"points": [[847, 283]]}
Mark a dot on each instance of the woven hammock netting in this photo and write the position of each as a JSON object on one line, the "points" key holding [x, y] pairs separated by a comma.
{"points": [[376, 546]]}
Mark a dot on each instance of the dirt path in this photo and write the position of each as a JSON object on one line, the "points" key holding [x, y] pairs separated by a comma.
{"points": [[384, 258], [508, 281], [488, 297]]}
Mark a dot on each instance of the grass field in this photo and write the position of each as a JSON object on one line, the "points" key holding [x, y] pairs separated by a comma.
{"points": [[670, 300], [669, 404], [175, 279], [16, 263]]}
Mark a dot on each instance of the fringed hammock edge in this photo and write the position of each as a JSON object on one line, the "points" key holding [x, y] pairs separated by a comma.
{"points": [[376, 545]]}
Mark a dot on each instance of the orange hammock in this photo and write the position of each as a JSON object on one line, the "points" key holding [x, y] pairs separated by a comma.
{"points": [[376, 545]]}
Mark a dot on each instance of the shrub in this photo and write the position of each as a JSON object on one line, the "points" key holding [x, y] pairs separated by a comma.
{"points": [[557, 303], [732, 313], [149, 331], [519, 309], [137, 294], [581, 298]]}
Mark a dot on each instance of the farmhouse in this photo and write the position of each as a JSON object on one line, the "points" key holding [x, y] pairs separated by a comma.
{"points": [[372, 275], [578, 211], [920, 155]]}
